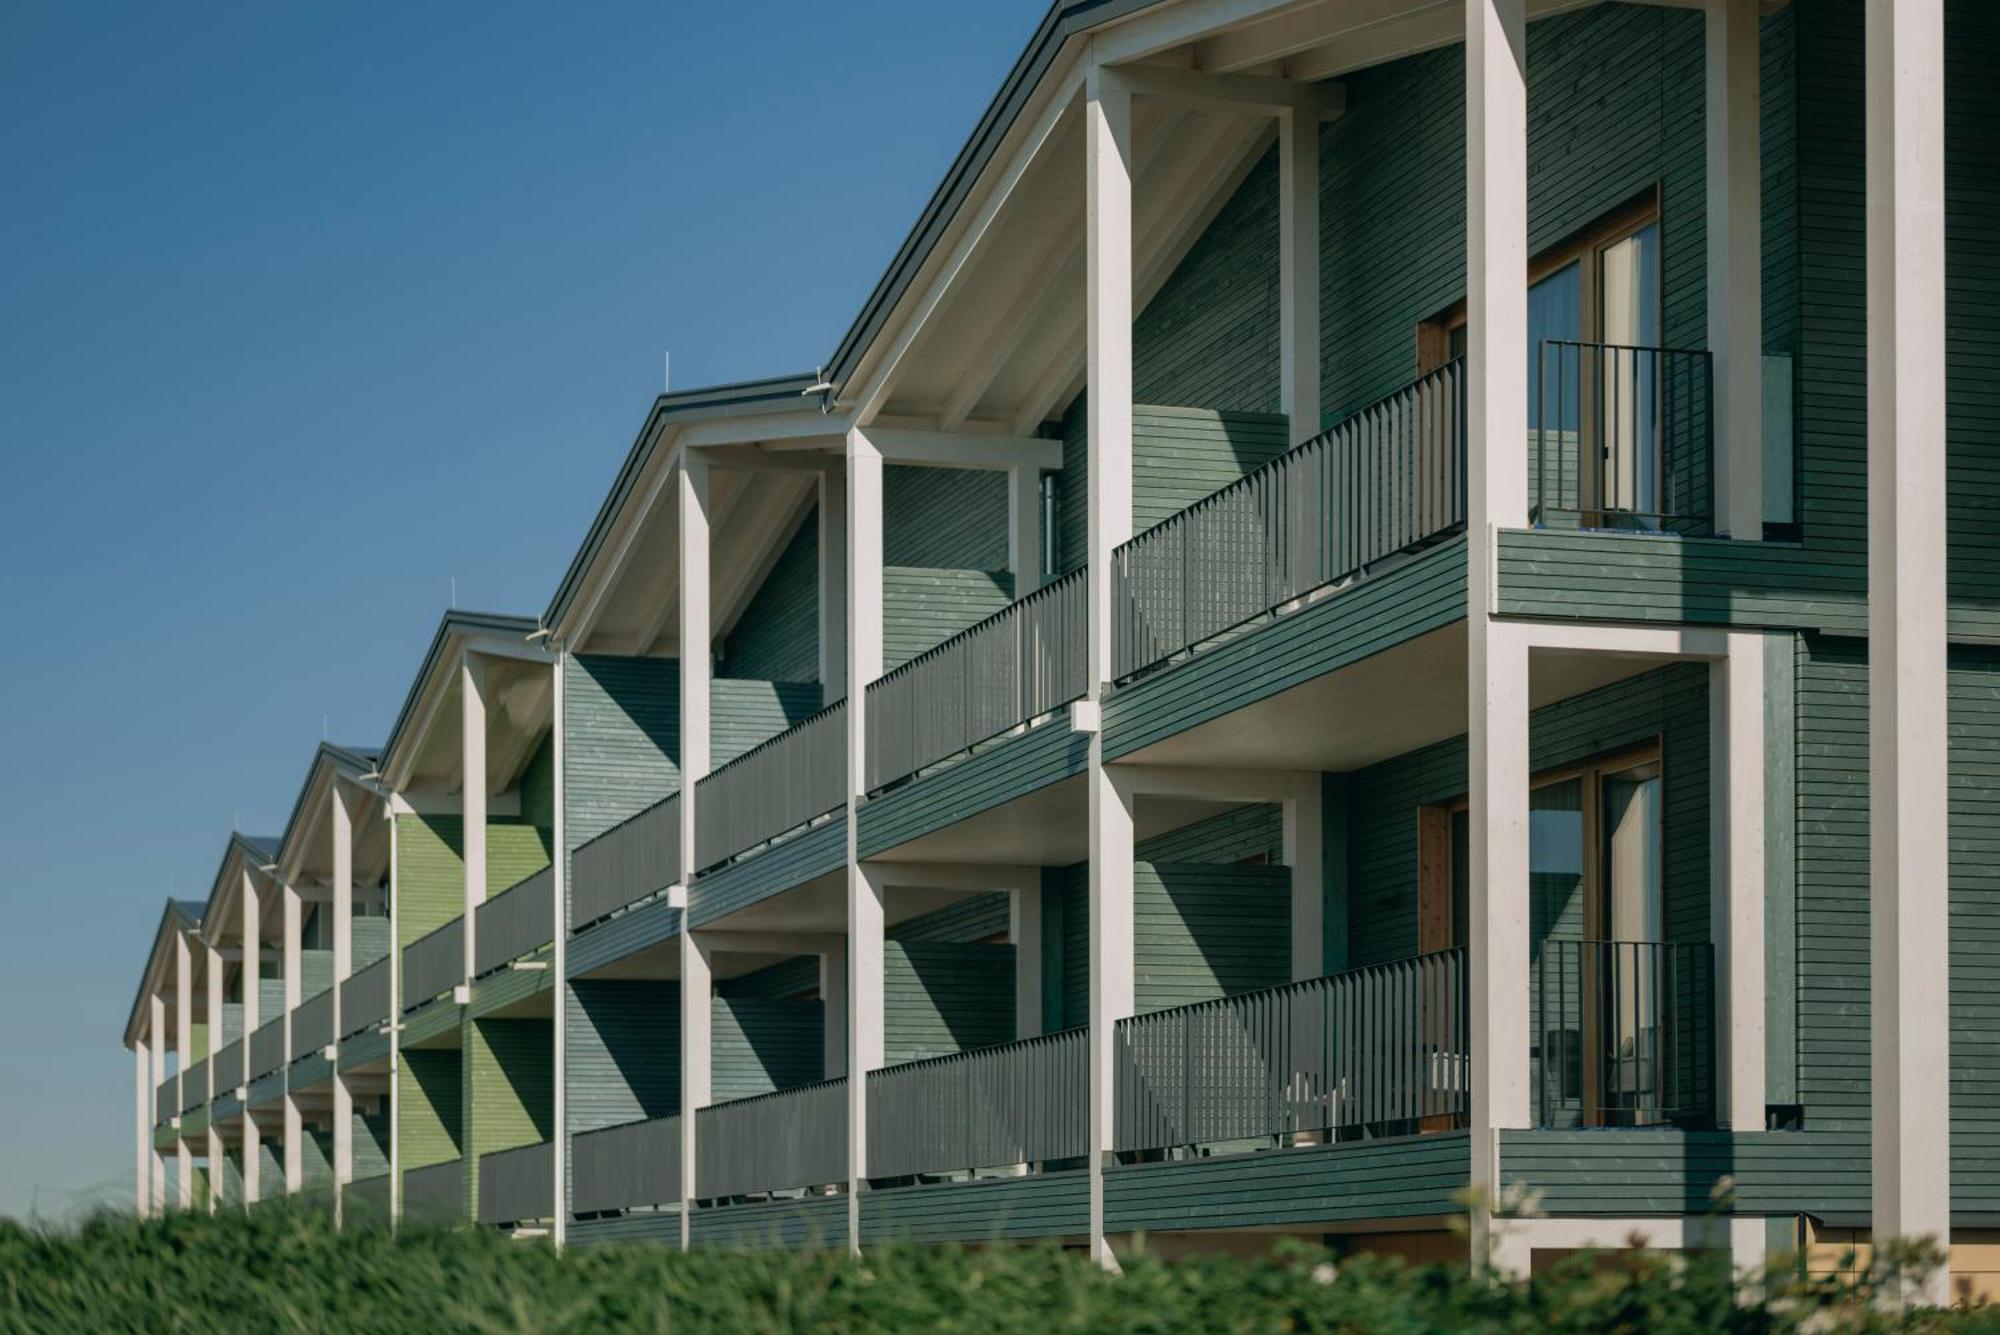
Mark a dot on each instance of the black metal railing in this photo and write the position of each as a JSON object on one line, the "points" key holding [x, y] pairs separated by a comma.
{"points": [[637, 857], [1026, 660], [1381, 1050], [1622, 1033], [1389, 479], [1621, 437], [1017, 1103], [626, 1166]]}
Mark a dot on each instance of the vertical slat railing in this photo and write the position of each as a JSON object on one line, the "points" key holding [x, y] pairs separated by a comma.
{"points": [[1017, 1103], [435, 1193], [194, 1086], [638, 857], [1023, 662], [625, 1167], [364, 998], [517, 1185], [773, 1142], [518, 921], [1377, 1050], [229, 1067], [1386, 480], [1623, 1033], [777, 786], [434, 963], [267, 1047], [312, 1024]]}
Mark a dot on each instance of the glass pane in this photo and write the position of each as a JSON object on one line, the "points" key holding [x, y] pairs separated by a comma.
{"points": [[1633, 1024], [1555, 312], [1633, 899], [1629, 378], [1555, 918]]}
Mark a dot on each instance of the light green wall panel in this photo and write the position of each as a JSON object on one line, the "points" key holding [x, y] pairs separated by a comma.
{"points": [[429, 1101]]}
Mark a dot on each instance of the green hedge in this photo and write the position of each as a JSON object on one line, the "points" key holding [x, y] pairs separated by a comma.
{"points": [[288, 1271]]}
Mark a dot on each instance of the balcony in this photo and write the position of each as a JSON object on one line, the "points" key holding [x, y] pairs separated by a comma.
{"points": [[1621, 437], [1388, 480], [165, 1097], [228, 1065], [631, 861], [435, 1194], [1623, 1034], [364, 999], [517, 1185], [267, 1048], [434, 964], [783, 1141], [626, 1167], [194, 1086], [518, 921], [312, 1025], [1017, 1104], [772, 789], [1018, 665]]}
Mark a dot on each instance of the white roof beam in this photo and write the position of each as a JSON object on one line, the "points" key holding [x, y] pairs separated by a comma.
{"points": [[943, 449], [1231, 92]]}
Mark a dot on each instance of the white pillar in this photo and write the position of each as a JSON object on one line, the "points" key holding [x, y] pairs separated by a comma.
{"points": [[1107, 134], [1305, 856], [343, 967], [216, 1156], [865, 910], [472, 791], [252, 969], [142, 1093], [1024, 528], [183, 1056], [833, 1002], [343, 1145], [1735, 266], [1736, 860], [1298, 270], [697, 1033], [1024, 929], [294, 923], [253, 1161], [560, 917], [212, 972], [833, 585], [295, 1147], [1909, 1028], [1496, 187]]}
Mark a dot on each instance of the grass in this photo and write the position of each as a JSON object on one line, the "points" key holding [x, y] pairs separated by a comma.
{"points": [[288, 1270]]}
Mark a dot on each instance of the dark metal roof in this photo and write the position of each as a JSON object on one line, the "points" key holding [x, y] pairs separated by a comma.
{"points": [[179, 915], [452, 623], [694, 405]]}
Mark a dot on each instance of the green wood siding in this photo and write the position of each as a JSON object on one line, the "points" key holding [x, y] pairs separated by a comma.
{"points": [[758, 1045], [1675, 1172], [621, 740], [777, 636], [509, 1096], [996, 775], [924, 607], [940, 998], [430, 873], [944, 518], [813, 1223], [742, 713], [429, 1102], [624, 1051], [1384, 1179], [1002, 1209]]}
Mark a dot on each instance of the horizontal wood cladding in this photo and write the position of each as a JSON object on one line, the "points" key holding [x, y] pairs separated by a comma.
{"points": [[641, 1227], [430, 1097], [1628, 1172], [1398, 604], [614, 939], [430, 873], [744, 712], [777, 636], [922, 607], [769, 871], [1001, 1209], [941, 997], [757, 1045], [1384, 1179], [1002, 772], [621, 740], [623, 1055], [817, 1223]]}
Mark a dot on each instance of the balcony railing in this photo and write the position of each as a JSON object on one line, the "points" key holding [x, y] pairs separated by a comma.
{"points": [[228, 1065], [1018, 1103], [435, 1194], [518, 921], [1623, 1033], [1621, 437], [267, 1047], [194, 1086], [518, 1185], [1389, 479], [631, 860], [778, 785], [621, 1167], [1377, 1050], [433, 964], [365, 1200], [364, 998], [312, 1025], [166, 1098], [773, 1142], [1024, 661]]}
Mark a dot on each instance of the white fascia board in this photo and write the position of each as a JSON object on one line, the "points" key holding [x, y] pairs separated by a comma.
{"points": [[946, 449]]}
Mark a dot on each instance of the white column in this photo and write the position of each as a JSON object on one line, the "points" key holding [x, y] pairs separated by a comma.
{"points": [[1736, 859], [183, 1056], [1909, 1015], [1024, 528], [1305, 855], [833, 1002], [218, 1079], [295, 1146], [343, 967], [216, 1153], [472, 790], [1496, 187], [559, 1234], [833, 584], [142, 1092], [1024, 929], [253, 1158], [252, 969], [1736, 266], [1298, 270], [343, 1145], [697, 1032], [865, 895], [1107, 134]]}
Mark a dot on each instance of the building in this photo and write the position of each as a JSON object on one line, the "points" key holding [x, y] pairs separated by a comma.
{"points": [[1317, 762]]}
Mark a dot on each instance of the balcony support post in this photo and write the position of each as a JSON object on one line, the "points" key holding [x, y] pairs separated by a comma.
{"points": [[343, 1145], [866, 893], [1496, 166], [156, 1037], [292, 913], [697, 1005], [183, 1055], [295, 1145], [253, 1159], [560, 916], [142, 1095], [212, 961], [1305, 857], [252, 972], [1298, 265], [472, 794], [1908, 735], [1024, 527], [1735, 266]]}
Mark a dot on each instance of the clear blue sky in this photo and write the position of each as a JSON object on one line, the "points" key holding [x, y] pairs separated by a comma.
{"points": [[305, 310]]}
